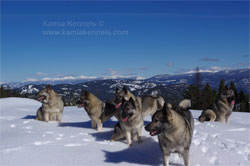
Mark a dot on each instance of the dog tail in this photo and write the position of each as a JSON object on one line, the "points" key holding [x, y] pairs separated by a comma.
{"points": [[185, 104]]}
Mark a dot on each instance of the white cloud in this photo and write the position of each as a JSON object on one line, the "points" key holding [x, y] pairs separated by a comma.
{"points": [[218, 68], [211, 69], [41, 74], [31, 80], [113, 72], [66, 78]]}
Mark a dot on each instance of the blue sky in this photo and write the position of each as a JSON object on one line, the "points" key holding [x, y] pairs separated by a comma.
{"points": [[126, 38]]}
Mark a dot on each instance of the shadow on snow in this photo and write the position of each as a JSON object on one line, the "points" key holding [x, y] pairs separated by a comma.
{"points": [[146, 153]]}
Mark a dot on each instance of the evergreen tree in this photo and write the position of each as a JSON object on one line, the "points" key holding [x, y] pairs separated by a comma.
{"points": [[2, 92], [8, 92], [207, 96], [244, 102], [214, 94], [193, 93], [72, 100], [222, 86], [197, 78]]}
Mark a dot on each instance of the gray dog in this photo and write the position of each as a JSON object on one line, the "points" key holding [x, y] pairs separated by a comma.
{"points": [[221, 109], [174, 130], [97, 110], [52, 107]]}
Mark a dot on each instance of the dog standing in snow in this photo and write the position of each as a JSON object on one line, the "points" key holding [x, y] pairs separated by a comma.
{"points": [[174, 130]]}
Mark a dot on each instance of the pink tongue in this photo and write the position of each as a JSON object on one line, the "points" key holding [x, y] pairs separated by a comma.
{"points": [[125, 119], [117, 105], [152, 133], [233, 102], [40, 98]]}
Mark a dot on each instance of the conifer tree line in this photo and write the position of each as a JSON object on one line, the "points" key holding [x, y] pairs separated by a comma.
{"points": [[203, 96], [8, 92]]}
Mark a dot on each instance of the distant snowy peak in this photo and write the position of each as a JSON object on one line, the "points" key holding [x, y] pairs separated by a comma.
{"points": [[30, 89], [240, 77]]}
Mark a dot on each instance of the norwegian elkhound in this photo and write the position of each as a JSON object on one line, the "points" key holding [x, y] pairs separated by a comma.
{"points": [[97, 110], [131, 120], [148, 104], [221, 109], [174, 130], [52, 107]]}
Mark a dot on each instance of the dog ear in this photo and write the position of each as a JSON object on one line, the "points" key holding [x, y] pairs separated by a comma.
{"points": [[125, 89], [131, 100], [166, 111], [48, 86], [123, 100], [86, 93]]}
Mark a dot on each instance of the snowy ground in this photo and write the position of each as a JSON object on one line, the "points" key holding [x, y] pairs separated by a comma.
{"points": [[27, 142]]}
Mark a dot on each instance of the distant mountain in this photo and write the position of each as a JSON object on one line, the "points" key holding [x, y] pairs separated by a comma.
{"points": [[105, 89], [171, 87], [240, 78]]}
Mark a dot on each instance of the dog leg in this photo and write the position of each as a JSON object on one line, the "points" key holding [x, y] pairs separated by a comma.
{"points": [[185, 156], [128, 137], [139, 135], [46, 117], [227, 117], [99, 125], [59, 117], [165, 159], [93, 124]]}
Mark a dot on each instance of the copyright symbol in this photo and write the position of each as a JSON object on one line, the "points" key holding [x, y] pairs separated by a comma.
{"points": [[101, 23]]}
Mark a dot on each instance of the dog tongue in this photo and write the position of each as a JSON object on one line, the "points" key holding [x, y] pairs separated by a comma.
{"points": [[152, 133], [40, 98], [125, 119], [233, 102], [117, 105]]}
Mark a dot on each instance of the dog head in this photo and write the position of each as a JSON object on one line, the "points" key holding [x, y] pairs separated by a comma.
{"points": [[128, 108], [84, 100], [119, 95], [161, 121], [44, 95], [228, 94]]}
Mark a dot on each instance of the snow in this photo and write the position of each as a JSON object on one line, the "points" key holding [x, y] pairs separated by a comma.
{"points": [[30, 89], [25, 141]]}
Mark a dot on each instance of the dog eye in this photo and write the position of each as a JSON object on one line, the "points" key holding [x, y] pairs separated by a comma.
{"points": [[156, 120]]}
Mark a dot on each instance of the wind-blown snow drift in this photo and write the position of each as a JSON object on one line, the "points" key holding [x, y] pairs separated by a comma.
{"points": [[27, 142]]}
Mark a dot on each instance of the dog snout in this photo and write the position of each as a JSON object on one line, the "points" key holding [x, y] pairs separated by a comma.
{"points": [[147, 128]]}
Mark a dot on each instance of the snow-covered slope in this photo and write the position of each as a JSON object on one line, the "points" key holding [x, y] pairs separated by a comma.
{"points": [[27, 142]]}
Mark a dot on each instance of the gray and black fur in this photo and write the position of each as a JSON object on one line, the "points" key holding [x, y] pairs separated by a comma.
{"points": [[174, 130], [221, 109], [98, 111], [131, 120], [52, 107]]}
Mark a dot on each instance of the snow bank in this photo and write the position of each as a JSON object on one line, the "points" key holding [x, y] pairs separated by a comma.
{"points": [[25, 141]]}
